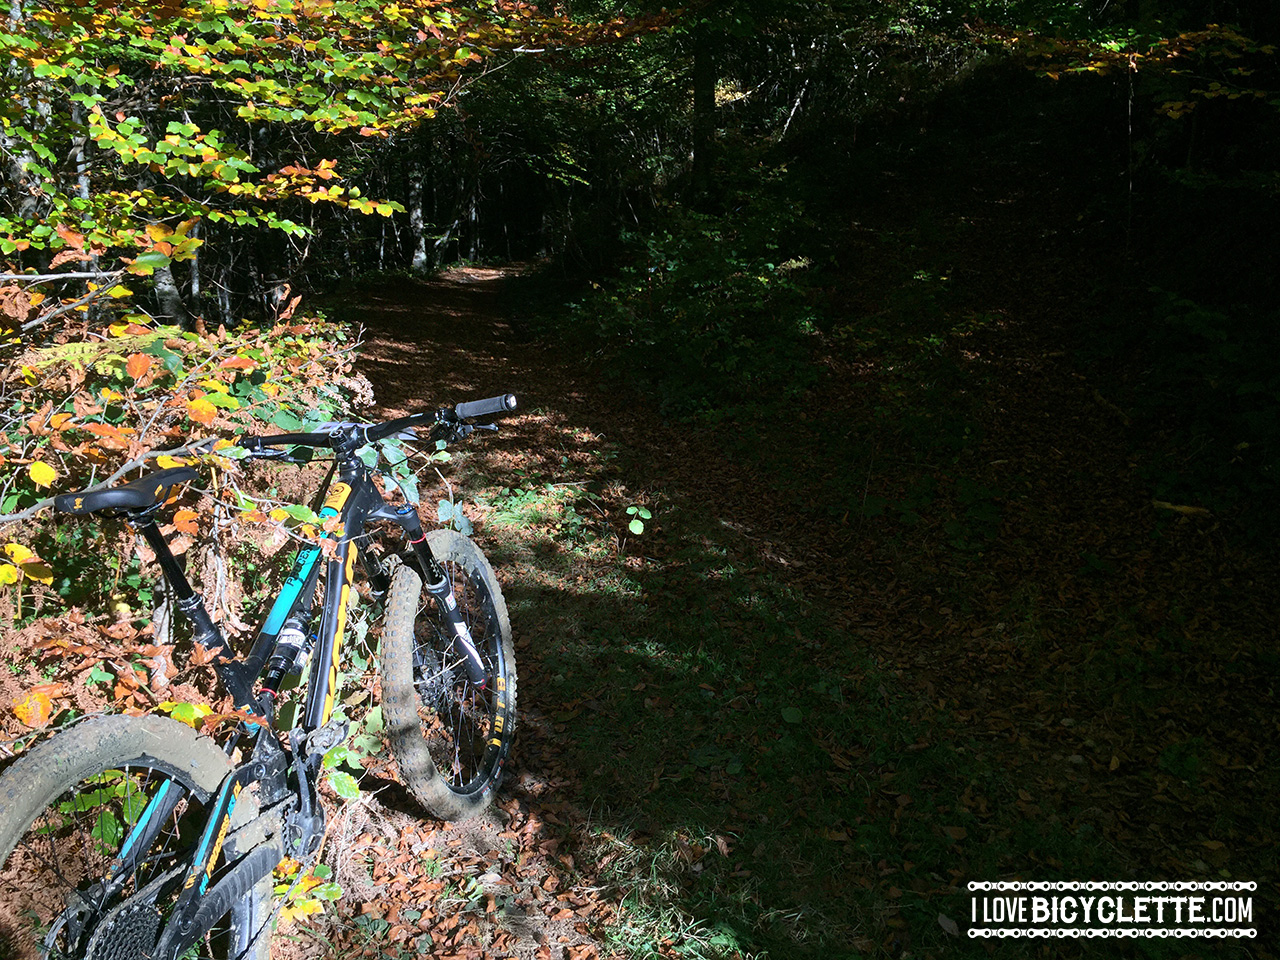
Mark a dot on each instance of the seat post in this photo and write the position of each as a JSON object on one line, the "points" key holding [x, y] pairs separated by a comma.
{"points": [[206, 634]]}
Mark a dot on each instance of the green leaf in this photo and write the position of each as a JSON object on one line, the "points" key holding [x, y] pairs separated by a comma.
{"points": [[147, 262], [344, 785], [409, 487], [792, 714], [636, 527], [327, 891], [286, 421]]}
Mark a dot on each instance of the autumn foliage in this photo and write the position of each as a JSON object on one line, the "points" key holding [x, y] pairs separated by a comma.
{"points": [[134, 138]]}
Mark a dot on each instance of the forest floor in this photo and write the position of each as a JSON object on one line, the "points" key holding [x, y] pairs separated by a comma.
{"points": [[928, 629], [937, 629]]}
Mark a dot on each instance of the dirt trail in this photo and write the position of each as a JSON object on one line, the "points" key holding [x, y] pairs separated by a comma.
{"points": [[490, 886], [426, 344], [500, 886]]}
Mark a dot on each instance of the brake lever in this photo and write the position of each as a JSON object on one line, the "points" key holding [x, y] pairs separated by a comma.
{"points": [[300, 459]]}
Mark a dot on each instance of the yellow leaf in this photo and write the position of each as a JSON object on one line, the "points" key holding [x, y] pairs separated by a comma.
{"points": [[35, 708], [119, 291], [108, 394], [9, 574], [293, 911], [17, 552], [279, 515], [201, 411], [39, 571], [185, 522], [167, 461], [189, 713], [42, 475]]}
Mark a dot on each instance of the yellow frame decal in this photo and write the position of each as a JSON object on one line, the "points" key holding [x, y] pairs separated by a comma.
{"points": [[338, 494], [349, 570]]}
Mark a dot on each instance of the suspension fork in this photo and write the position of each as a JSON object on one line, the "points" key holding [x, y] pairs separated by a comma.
{"points": [[437, 584]]}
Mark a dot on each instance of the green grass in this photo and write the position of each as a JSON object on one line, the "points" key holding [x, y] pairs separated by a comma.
{"points": [[721, 730]]}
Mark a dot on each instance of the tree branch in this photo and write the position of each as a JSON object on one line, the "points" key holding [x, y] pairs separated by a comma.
{"points": [[65, 308], [44, 277]]}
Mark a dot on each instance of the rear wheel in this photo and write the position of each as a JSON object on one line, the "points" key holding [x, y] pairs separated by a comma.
{"points": [[72, 808], [450, 737]]}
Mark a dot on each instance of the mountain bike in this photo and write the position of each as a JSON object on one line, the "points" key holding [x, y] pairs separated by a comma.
{"points": [[125, 838]]}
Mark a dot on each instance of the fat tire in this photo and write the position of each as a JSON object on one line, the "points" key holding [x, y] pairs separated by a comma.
{"points": [[35, 782], [411, 620]]}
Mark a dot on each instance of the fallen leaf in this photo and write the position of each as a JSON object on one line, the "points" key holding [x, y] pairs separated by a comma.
{"points": [[42, 475], [137, 365], [36, 707]]}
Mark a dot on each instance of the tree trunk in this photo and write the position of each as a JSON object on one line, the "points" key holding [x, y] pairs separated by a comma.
{"points": [[705, 69], [421, 259], [19, 185], [169, 298]]}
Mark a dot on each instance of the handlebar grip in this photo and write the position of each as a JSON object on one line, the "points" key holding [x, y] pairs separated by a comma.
{"points": [[492, 407]]}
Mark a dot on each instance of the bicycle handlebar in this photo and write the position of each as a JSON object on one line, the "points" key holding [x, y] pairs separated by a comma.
{"points": [[363, 434]]}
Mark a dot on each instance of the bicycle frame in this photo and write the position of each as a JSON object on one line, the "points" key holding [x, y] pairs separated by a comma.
{"points": [[290, 820]]}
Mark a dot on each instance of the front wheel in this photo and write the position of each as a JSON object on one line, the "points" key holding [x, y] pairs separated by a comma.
{"points": [[84, 802], [450, 737]]}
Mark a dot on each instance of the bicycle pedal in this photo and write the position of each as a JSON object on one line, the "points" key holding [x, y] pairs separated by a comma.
{"points": [[327, 737]]}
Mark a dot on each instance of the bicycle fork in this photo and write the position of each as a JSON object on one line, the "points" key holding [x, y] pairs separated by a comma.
{"points": [[437, 584]]}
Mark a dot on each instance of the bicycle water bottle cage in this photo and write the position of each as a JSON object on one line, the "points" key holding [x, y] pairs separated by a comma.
{"points": [[135, 496]]}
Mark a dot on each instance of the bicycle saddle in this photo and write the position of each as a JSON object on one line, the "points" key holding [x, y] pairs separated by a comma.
{"points": [[146, 491]]}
